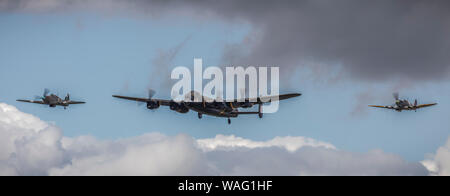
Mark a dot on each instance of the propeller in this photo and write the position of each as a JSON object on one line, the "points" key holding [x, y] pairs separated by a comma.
{"points": [[415, 105], [66, 100], [46, 91], [396, 95], [151, 93]]}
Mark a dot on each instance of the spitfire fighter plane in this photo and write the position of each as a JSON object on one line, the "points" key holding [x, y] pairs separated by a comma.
{"points": [[225, 109], [403, 104], [52, 100]]}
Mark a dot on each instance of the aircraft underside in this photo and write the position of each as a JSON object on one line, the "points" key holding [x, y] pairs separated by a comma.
{"points": [[224, 113]]}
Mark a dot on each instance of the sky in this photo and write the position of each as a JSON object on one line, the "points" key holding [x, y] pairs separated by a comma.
{"points": [[340, 63]]}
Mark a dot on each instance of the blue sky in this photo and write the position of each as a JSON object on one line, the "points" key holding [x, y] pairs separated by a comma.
{"points": [[94, 56]]}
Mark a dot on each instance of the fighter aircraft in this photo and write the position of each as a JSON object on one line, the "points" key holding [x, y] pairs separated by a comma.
{"points": [[226, 109], [403, 104], [52, 100]]}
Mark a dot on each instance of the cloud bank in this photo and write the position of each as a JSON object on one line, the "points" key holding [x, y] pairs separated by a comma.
{"points": [[439, 163], [373, 40], [30, 146]]}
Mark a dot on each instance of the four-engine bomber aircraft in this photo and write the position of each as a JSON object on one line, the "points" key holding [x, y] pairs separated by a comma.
{"points": [[226, 109], [52, 100], [403, 104]]}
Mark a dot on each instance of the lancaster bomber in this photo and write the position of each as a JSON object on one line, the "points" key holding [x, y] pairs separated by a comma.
{"points": [[225, 109], [403, 104], [52, 100]]}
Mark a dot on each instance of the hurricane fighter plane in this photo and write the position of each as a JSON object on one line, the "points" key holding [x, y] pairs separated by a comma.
{"points": [[225, 109], [403, 104], [52, 100]]}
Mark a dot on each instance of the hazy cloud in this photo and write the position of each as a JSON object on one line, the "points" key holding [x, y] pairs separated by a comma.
{"points": [[150, 154], [311, 161], [369, 39], [30, 146], [439, 163], [231, 142], [162, 64]]}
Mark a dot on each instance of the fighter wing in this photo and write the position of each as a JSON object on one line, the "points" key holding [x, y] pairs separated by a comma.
{"points": [[161, 101], [31, 101], [270, 98], [76, 102], [379, 106], [425, 105]]}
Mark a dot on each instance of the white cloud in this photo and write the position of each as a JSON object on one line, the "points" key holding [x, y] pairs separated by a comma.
{"points": [[151, 154], [29, 146], [231, 142], [311, 161], [439, 163]]}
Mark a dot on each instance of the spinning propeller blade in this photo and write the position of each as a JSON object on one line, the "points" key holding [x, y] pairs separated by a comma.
{"points": [[396, 95], [151, 93], [46, 91]]}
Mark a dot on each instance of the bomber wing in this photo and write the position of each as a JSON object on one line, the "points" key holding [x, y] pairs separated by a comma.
{"points": [[161, 101], [269, 98]]}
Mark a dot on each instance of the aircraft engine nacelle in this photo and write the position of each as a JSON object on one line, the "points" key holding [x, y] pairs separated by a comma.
{"points": [[183, 109], [247, 105], [179, 107], [152, 105]]}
